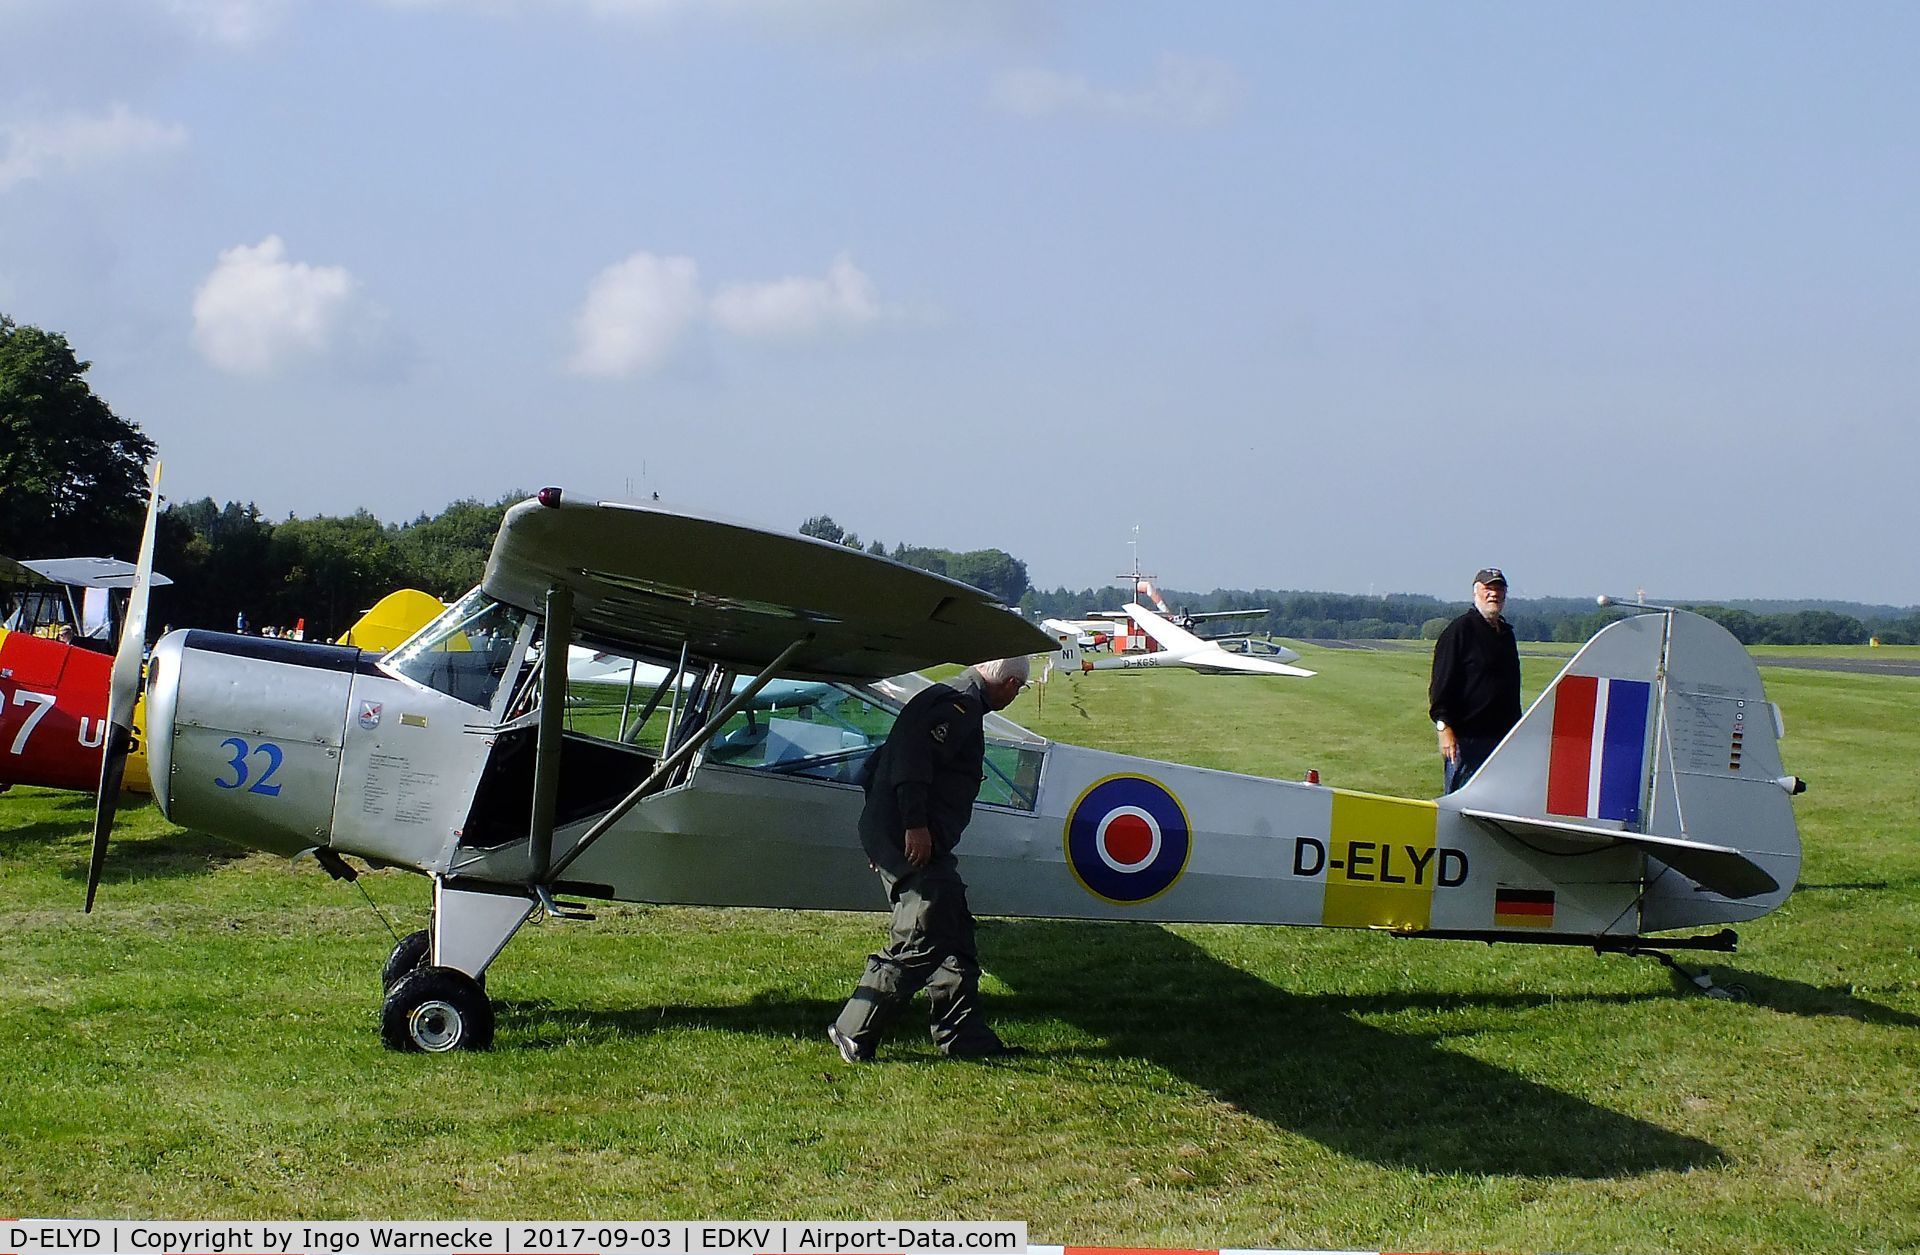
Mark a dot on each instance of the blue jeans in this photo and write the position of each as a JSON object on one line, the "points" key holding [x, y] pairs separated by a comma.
{"points": [[1474, 750]]}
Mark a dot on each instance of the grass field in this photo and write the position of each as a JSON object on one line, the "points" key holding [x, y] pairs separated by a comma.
{"points": [[205, 1043]]}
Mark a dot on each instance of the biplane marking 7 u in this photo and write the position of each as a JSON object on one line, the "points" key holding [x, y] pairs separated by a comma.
{"points": [[53, 691]]}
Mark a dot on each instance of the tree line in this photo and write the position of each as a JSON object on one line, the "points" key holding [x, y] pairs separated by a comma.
{"points": [[72, 482], [1410, 616], [995, 570]]}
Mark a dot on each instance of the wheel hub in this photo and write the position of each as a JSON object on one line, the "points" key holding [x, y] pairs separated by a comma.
{"points": [[435, 1026]]}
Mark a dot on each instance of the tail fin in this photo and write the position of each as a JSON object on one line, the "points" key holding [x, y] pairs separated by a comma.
{"points": [[1657, 734], [392, 620], [1068, 636]]}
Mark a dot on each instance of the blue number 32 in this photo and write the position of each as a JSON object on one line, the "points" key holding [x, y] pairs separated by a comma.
{"points": [[241, 752]]}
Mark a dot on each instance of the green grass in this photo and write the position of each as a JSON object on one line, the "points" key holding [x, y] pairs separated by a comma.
{"points": [[204, 1044]]}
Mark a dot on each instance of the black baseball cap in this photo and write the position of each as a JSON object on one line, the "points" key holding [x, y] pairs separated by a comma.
{"points": [[1490, 575]]}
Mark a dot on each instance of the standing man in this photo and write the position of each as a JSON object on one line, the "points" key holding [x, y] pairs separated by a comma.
{"points": [[920, 785], [1474, 698]]}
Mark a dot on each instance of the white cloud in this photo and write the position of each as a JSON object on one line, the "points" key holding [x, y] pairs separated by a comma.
{"points": [[636, 314], [798, 306], [39, 149], [639, 312], [239, 23], [1186, 91], [257, 312]]}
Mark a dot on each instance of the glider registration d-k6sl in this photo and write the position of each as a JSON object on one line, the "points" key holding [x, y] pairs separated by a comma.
{"points": [[1642, 793]]}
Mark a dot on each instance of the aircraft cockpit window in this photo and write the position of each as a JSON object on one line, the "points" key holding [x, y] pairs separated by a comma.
{"points": [[38, 611], [828, 731], [626, 700], [465, 652]]}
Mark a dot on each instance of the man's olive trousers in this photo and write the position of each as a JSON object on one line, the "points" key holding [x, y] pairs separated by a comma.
{"points": [[930, 946]]}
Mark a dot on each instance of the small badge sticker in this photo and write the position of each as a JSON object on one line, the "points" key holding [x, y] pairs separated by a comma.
{"points": [[369, 715], [940, 733]]}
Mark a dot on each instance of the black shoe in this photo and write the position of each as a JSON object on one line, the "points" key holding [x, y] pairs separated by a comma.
{"points": [[849, 1053], [999, 1050]]}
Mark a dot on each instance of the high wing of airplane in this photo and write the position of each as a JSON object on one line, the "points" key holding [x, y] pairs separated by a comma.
{"points": [[1169, 645], [1643, 792], [75, 593]]}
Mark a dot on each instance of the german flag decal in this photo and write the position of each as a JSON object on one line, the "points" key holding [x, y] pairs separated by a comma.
{"points": [[1522, 908]]}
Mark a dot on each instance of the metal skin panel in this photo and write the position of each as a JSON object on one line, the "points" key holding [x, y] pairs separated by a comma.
{"points": [[162, 699], [652, 579], [408, 771], [470, 929], [1595, 891], [735, 837], [253, 746]]}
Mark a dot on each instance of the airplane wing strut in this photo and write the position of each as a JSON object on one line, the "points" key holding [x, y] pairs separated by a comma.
{"points": [[671, 763]]}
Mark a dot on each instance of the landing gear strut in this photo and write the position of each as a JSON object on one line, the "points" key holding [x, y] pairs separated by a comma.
{"points": [[435, 981]]}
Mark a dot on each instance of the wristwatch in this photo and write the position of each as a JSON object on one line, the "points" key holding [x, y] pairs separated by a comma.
{"points": [[1439, 725]]}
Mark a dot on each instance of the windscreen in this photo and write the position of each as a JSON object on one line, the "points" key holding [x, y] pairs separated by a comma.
{"points": [[827, 732], [465, 652]]}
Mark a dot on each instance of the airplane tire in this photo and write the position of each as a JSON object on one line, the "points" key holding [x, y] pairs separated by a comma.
{"points": [[436, 1009], [410, 953]]}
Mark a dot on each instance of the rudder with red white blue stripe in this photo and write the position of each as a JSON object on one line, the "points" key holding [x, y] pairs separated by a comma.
{"points": [[1597, 765]]}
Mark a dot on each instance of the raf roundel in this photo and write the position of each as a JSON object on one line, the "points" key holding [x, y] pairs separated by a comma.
{"points": [[1128, 839]]}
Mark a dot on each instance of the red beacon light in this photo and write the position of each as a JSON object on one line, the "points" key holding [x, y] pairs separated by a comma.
{"points": [[550, 498]]}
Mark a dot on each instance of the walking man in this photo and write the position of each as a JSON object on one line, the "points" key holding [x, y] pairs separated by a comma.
{"points": [[921, 785]]}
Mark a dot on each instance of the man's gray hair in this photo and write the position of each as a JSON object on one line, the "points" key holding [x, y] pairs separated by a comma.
{"points": [[1017, 668]]}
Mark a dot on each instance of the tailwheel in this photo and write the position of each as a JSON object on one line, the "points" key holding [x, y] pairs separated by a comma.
{"points": [[410, 953], [436, 1009]]}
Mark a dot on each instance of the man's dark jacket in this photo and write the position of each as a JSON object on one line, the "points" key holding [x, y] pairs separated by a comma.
{"points": [[926, 775], [1476, 677]]}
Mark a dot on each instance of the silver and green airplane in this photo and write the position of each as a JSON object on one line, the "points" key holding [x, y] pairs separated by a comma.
{"points": [[1642, 795]]}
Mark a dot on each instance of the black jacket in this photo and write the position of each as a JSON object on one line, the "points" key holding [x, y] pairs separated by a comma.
{"points": [[925, 775], [1476, 677]]}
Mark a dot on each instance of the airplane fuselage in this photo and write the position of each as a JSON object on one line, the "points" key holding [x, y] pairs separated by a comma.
{"points": [[291, 746]]}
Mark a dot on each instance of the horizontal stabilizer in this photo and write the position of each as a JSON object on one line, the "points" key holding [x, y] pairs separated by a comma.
{"points": [[1717, 867]]}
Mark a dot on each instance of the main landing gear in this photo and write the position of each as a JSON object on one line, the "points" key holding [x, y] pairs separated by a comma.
{"points": [[436, 1009], [439, 1006]]}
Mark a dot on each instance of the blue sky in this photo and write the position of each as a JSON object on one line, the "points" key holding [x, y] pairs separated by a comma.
{"points": [[1337, 296]]}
